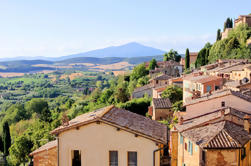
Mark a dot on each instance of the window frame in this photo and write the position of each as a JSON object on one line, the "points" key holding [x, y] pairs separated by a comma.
{"points": [[117, 157], [128, 164]]}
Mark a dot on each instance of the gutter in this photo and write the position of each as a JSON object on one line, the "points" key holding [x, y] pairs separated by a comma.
{"points": [[58, 150], [156, 150]]}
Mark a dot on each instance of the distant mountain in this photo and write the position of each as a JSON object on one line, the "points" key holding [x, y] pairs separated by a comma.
{"points": [[128, 50], [124, 51]]}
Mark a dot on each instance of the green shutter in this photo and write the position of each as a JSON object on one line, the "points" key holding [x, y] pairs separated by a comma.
{"points": [[191, 149]]}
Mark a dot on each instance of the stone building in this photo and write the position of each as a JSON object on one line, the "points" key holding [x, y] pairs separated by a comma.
{"points": [[107, 136], [196, 85], [170, 68], [220, 137], [160, 109], [217, 100], [243, 19], [46, 155]]}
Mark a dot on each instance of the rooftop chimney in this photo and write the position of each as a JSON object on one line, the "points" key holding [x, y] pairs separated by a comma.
{"points": [[181, 119], [246, 123]]}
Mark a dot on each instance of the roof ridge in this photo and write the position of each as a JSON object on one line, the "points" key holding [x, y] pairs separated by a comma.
{"points": [[106, 110], [216, 133]]}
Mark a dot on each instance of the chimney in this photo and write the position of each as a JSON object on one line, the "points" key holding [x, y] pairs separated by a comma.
{"points": [[246, 123], [181, 119]]}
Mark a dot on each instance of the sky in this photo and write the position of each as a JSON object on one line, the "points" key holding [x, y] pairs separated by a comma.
{"points": [[55, 28]]}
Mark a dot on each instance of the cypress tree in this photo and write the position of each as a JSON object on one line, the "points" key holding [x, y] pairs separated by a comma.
{"points": [[187, 59], [1, 144], [218, 35], [6, 138]]}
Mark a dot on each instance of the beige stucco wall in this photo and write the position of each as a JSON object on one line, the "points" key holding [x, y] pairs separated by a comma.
{"points": [[161, 114], [213, 104], [239, 75], [222, 157], [96, 140], [185, 157]]}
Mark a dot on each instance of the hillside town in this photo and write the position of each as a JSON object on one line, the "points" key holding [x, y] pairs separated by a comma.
{"points": [[210, 128]]}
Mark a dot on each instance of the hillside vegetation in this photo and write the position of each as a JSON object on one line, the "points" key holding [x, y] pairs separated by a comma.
{"points": [[234, 46]]}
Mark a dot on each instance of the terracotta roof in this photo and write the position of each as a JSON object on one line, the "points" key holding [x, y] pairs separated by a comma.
{"points": [[162, 77], [216, 94], [148, 86], [202, 119], [162, 103], [220, 135], [124, 119], [209, 79], [46, 146]]}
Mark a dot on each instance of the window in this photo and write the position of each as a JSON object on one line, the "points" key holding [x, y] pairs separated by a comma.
{"points": [[76, 157], [183, 164], [181, 139], [132, 158], [203, 156], [113, 158], [217, 87], [223, 104], [208, 88], [191, 148], [185, 146], [243, 153]]}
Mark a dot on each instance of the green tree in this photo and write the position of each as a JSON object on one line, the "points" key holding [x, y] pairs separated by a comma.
{"points": [[228, 23], [20, 150], [172, 55], [174, 93], [40, 107], [187, 59], [178, 106], [6, 138], [1, 144], [138, 72], [218, 35], [153, 64]]}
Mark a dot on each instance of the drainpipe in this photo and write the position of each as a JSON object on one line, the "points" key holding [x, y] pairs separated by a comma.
{"points": [[156, 150], [58, 149]]}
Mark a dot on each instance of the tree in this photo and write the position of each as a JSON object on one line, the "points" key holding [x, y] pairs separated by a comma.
{"points": [[1, 144], [228, 23], [218, 35], [40, 107], [152, 64], [138, 72], [187, 59], [21, 149], [6, 138], [174, 93], [172, 55], [178, 106]]}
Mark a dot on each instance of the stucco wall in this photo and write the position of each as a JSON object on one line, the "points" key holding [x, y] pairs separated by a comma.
{"points": [[96, 140], [46, 158], [184, 157], [140, 94], [215, 103], [159, 114]]}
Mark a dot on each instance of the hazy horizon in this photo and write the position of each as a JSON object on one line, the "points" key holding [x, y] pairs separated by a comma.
{"points": [[59, 28]]}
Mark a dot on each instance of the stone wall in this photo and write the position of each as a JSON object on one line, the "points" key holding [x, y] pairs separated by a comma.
{"points": [[46, 157]]}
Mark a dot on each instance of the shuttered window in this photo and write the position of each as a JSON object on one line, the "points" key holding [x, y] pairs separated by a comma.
{"points": [[181, 139]]}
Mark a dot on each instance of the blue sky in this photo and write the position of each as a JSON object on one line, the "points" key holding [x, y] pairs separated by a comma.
{"points": [[61, 27]]}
